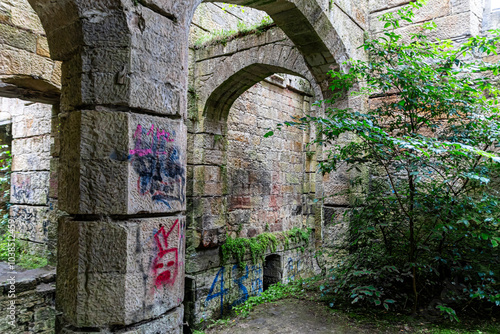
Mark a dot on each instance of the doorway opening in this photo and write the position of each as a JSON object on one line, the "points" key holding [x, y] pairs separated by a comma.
{"points": [[272, 270]]}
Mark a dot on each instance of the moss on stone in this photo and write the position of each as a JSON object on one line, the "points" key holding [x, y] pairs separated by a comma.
{"points": [[258, 246]]}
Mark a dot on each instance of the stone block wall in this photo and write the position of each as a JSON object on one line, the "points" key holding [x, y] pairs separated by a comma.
{"points": [[456, 19], [211, 18], [241, 184], [249, 184], [265, 176], [25, 65], [211, 293], [491, 15], [34, 300], [33, 193]]}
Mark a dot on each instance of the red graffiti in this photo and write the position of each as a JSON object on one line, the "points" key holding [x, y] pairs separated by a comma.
{"points": [[166, 268]]}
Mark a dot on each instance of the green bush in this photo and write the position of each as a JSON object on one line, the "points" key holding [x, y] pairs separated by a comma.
{"points": [[24, 258], [424, 234]]}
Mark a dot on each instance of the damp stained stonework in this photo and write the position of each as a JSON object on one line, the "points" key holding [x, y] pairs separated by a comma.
{"points": [[140, 183]]}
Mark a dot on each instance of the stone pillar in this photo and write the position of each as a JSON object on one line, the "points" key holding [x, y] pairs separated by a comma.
{"points": [[122, 174]]}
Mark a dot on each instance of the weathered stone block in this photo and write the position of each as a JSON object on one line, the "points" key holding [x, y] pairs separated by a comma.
{"points": [[432, 10], [155, 84], [42, 47], [202, 260], [93, 164], [208, 181], [157, 172], [54, 178], [33, 120], [121, 163], [24, 16], [30, 188], [92, 78], [31, 222], [31, 154], [121, 272], [5, 12], [213, 238], [17, 38], [20, 62]]}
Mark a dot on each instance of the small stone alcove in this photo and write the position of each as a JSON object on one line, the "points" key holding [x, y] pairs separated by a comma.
{"points": [[272, 270]]}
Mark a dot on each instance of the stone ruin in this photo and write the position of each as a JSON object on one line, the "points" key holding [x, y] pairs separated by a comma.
{"points": [[137, 150]]}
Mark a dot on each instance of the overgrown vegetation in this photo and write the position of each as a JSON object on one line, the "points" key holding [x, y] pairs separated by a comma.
{"points": [[273, 293], [8, 242], [347, 319], [424, 235], [224, 36], [24, 258], [258, 246]]}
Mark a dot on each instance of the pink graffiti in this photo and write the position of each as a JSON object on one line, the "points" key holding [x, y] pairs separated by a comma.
{"points": [[160, 136], [166, 268]]}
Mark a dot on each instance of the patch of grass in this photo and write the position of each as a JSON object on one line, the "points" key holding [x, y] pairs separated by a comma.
{"points": [[274, 293], [224, 36], [198, 332], [211, 323], [23, 257]]}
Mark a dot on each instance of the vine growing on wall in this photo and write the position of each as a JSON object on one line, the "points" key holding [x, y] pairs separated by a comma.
{"points": [[260, 245]]}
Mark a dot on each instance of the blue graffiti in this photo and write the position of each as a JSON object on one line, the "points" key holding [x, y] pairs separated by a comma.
{"points": [[239, 283], [256, 283], [222, 291], [159, 165], [292, 268]]}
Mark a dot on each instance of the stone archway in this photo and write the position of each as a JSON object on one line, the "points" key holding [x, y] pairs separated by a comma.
{"points": [[308, 26], [29, 99], [221, 76], [240, 188], [124, 105]]}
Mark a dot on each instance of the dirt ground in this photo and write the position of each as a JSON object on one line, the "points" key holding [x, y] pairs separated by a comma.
{"points": [[307, 315], [288, 316]]}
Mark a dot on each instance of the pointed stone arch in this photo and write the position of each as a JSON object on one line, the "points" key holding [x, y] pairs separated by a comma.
{"points": [[308, 26], [125, 64], [222, 75]]}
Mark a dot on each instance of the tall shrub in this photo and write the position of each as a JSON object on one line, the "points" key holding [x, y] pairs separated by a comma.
{"points": [[425, 234]]}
